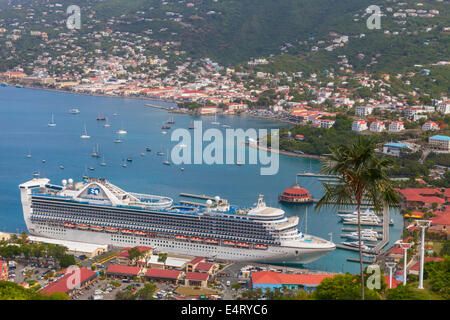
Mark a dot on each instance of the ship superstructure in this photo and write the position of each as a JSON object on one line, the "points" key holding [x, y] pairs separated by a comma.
{"points": [[96, 211]]}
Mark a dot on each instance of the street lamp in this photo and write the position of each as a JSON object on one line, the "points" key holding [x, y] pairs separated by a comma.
{"points": [[390, 265], [422, 224], [405, 246]]}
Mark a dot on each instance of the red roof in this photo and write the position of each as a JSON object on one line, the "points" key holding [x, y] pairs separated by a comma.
{"points": [[197, 276], [197, 260], [443, 217], [65, 283], [416, 266], [395, 250], [204, 266], [418, 195], [114, 268], [296, 191], [281, 278], [162, 273], [125, 254]]}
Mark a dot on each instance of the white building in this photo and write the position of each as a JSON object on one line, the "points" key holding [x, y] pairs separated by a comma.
{"points": [[359, 125], [430, 125], [363, 111], [440, 143], [396, 126], [443, 107], [377, 126]]}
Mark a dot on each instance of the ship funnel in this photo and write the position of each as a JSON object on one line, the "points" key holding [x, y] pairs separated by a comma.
{"points": [[64, 182], [70, 181]]}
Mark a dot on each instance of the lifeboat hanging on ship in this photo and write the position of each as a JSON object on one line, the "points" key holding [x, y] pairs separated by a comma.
{"points": [[97, 228], [140, 233], [150, 234], [243, 244], [260, 246], [110, 229], [180, 237], [212, 241], [228, 243], [82, 226], [197, 239], [68, 224], [126, 231], [295, 194]]}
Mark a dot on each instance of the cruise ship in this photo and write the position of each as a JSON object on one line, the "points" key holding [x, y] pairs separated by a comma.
{"points": [[96, 211]]}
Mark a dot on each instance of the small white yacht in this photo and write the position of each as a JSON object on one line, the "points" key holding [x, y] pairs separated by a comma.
{"points": [[84, 135], [52, 123]]}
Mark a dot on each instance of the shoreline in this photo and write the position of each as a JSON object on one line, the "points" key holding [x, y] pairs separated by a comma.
{"points": [[146, 98], [286, 153]]}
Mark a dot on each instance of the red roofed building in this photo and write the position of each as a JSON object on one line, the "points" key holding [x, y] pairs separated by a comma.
{"points": [[295, 194], [172, 276], [122, 272], [196, 279], [192, 264], [415, 268], [441, 222], [422, 197], [208, 267], [272, 280], [71, 282], [123, 257]]}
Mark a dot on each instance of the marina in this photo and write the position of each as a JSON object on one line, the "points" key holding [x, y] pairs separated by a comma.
{"points": [[232, 182]]}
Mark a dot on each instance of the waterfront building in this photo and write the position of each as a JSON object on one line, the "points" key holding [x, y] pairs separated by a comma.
{"points": [[271, 280], [440, 143], [84, 276], [196, 279], [295, 194], [73, 247], [122, 272], [171, 276]]}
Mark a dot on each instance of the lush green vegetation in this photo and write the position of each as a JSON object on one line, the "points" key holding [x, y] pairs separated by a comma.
{"points": [[12, 291], [437, 274]]}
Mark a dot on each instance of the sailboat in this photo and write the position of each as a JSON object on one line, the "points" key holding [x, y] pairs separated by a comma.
{"points": [[95, 153], [61, 166], [100, 117], [85, 135], [124, 164], [192, 125], [52, 123], [103, 163], [74, 111], [215, 119], [107, 124], [29, 154], [118, 140], [85, 176], [166, 162], [122, 131], [171, 121]]}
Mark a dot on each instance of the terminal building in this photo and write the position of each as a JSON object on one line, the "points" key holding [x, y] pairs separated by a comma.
{"points": [[76, 248]]}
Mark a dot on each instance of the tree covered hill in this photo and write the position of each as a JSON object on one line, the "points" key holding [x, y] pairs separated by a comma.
{"points": [[235, 31]]}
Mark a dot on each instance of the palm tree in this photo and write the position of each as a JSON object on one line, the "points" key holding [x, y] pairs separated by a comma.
{"points": [[363, 177]]}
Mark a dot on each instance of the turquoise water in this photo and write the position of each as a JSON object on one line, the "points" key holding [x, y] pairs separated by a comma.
{"points": [[25, 113]]}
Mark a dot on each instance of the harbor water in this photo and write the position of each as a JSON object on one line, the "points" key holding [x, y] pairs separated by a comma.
{"points": [[24, 118]]}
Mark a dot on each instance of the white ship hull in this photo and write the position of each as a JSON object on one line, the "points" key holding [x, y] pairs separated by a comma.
{"points": [[271, 254], [292, 249]]}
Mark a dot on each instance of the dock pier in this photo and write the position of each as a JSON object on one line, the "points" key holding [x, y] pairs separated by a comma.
{"points": [[191, 203]]}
